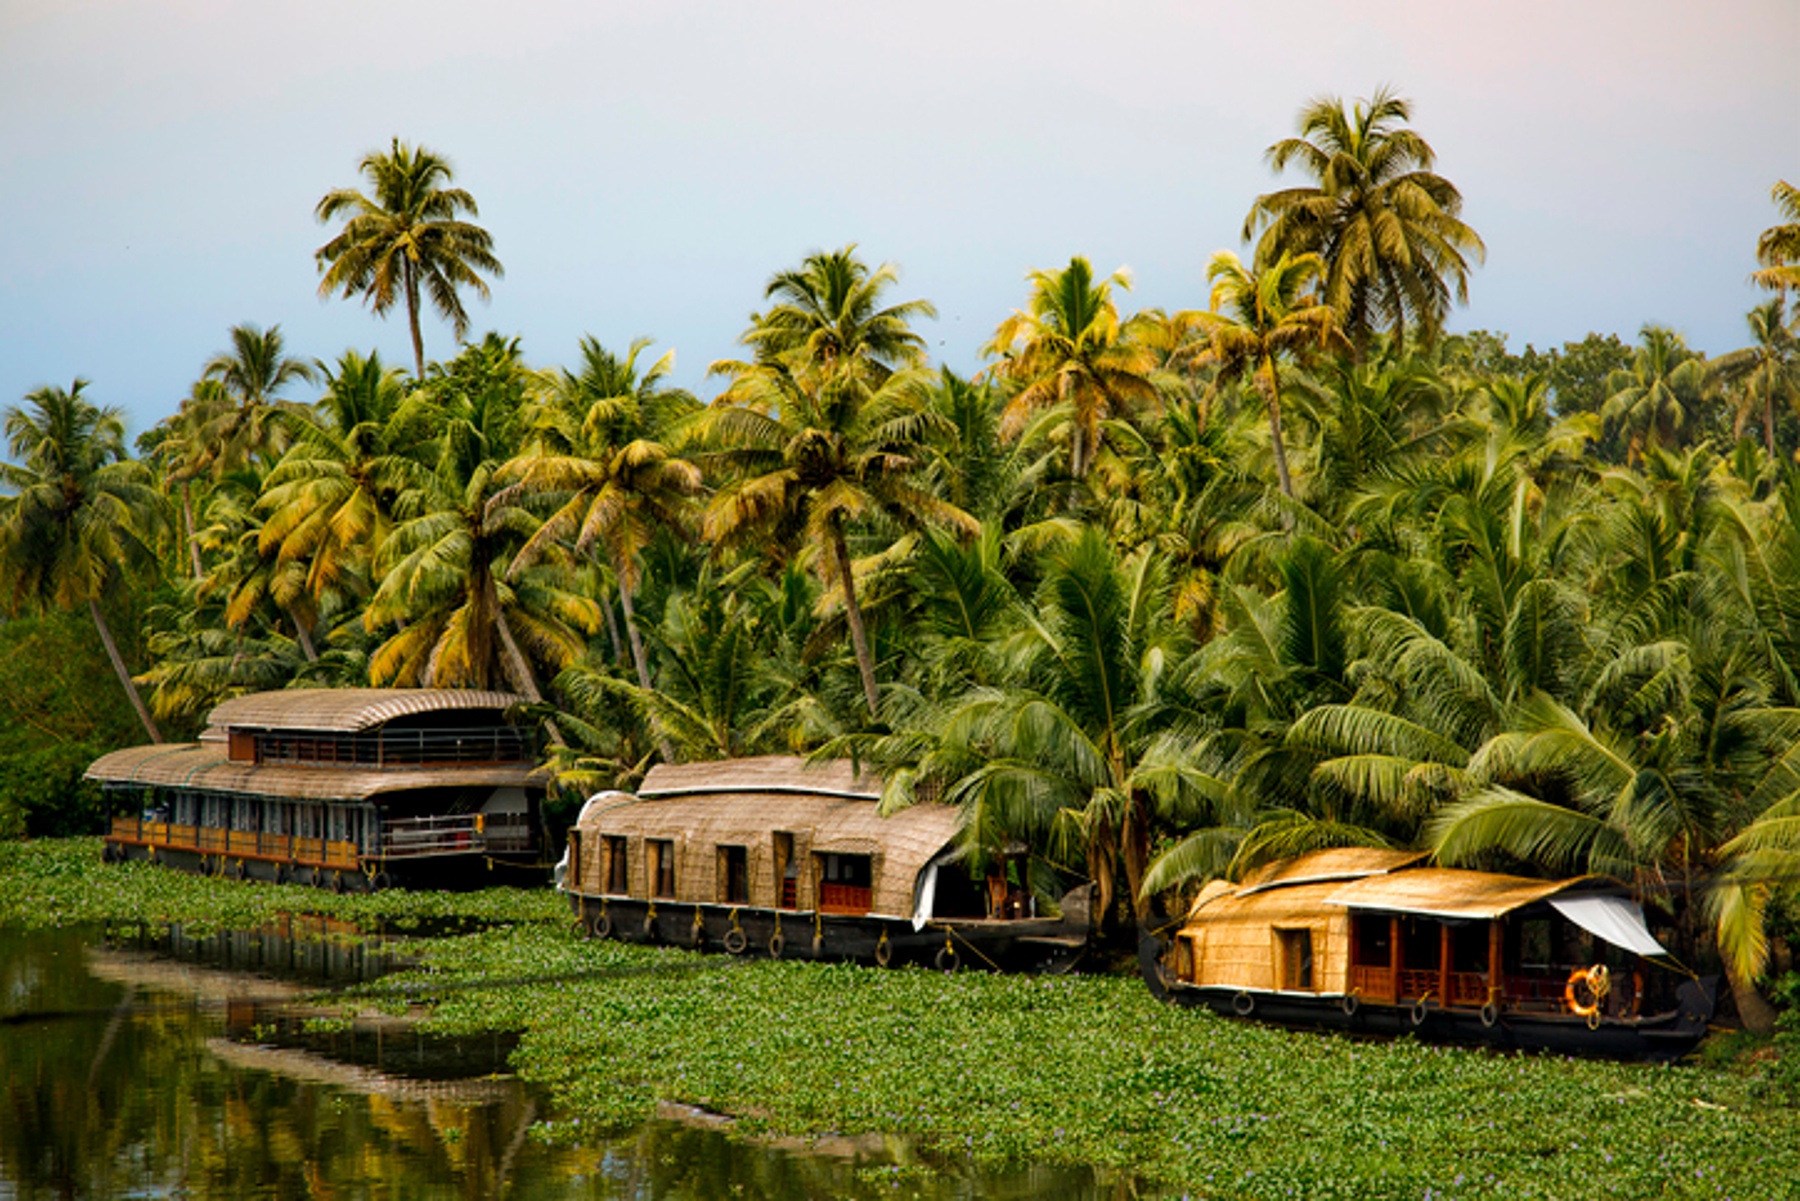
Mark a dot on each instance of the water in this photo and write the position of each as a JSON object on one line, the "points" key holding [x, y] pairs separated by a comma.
{"points": [[151, 1063]]}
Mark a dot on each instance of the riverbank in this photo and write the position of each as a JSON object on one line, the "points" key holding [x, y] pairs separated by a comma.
{"points": [[1049, 1070]]}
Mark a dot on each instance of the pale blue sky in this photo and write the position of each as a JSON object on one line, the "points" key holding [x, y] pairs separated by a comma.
{"points": [[644, 168]]}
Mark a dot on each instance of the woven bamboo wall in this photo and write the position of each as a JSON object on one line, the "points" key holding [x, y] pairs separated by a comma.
{"points": [[1235, 937]]}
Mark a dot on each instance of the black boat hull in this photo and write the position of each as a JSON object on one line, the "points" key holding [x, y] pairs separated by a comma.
{"points": [[1657, 1038]]}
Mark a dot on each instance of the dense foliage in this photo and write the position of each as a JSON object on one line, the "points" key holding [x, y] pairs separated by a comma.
{"points": [[1160, 595]]}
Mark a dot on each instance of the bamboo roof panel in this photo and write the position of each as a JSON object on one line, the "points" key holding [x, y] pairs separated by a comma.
{"points": [[347, 710], [205, 767], [1336, 863], [1444, 892], [767, 774]]}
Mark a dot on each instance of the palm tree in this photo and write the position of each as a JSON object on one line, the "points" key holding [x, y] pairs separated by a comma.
{"points": [[81, 513], [828, 316], [1657, 401], [601, 439], [406, 239], [1069, 348], [1778, 249], [1765, 371], [1257, 318], [1388, 229], [248, 420], [805, 459]]}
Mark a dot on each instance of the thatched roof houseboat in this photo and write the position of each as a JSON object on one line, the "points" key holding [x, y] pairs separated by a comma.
{"points": [[1378, 941], [781, 856], [340, 787]]}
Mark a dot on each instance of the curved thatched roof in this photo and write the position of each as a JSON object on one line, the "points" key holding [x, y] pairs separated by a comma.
{"points": [[346, 710], [204, 767], [1444, 892], [1336, 863], [784, 774]]}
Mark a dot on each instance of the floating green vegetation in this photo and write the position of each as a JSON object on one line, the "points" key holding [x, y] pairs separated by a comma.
{"points": [[63, 882], [1008, 1069]]}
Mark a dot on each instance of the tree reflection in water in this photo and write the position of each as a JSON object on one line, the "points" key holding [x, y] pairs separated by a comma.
{"points": [[123, 1086]]}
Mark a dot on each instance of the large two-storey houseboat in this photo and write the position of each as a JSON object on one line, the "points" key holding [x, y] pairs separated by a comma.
{"points": [[341, 788]]}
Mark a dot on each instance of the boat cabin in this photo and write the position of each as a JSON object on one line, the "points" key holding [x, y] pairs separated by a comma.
{"points": [[344, 787], [1379, 940]]}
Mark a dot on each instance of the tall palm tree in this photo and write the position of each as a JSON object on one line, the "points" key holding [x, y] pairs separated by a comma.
{"points": [[1388, 228], [1766, 371], [248, 420], [406, 239], [600, 440], [1778, 249], [1257, 318], [1068, 347], [81, 513], [828, 315], [807, 460]]}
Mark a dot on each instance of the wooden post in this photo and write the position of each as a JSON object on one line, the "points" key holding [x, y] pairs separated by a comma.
{"points": [[1444, 949], [1496, 978], [1394, 955], [1355, 954]]}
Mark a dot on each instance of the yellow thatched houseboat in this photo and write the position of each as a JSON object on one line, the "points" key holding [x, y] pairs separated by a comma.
{"points": [[339, 787], [1379, 941], [778, 855]]}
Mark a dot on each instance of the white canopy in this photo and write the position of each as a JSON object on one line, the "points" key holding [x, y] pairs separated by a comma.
{"points": [[1616, 919]]}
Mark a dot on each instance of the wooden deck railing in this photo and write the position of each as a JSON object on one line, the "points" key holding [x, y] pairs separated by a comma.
{"points": [[844, 898], [241, 844], [415, 836]]}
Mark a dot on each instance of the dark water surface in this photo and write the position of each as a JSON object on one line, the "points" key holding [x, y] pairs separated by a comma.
{"points": [[148, 1063]]}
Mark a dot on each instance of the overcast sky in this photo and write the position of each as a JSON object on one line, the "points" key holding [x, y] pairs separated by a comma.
{"points": [[645, 167]]}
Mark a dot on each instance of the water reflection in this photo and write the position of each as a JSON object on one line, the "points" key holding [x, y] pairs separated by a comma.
{"points": [[129, 1073]]}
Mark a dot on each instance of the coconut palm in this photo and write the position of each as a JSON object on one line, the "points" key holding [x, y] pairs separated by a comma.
{"points": [[828, 316], [80, 516], [1657, 401], [1259, 317], [1388, 228], [246, 420], [1068, 350], [1778, 248], [1766, 371], [599, 439], [406, 238]]}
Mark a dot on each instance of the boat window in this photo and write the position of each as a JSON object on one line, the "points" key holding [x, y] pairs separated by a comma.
{"points": [[662, 867], [1296, 952], [1422, 944], [618, 878], [1534, 943], [1371, 943], [734, 875], [787, 871], [845, 883], [1469, 947]]}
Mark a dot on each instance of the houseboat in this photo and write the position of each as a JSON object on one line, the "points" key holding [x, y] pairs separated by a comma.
{"points": [[781, 857], [1380, 942], [344, 788]]}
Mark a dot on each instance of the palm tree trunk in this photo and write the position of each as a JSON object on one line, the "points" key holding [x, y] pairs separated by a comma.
{"points": [[112, 652], [865, 662], [520, 670], [1270, 385], [1769, 420], [637, 655], [187, 517], [305, 636], [412, 320]]}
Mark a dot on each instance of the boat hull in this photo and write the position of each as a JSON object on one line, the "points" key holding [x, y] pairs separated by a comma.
{"points": [[1019, 945], [1657, 1038]]}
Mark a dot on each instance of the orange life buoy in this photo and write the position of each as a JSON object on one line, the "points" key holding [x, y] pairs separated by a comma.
{"points": [[1597, 982]]}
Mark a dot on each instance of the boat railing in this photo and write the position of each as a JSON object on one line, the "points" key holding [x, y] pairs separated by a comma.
{"points": [[483, 745], [845, 898], [414, 836], [244, 844]]}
